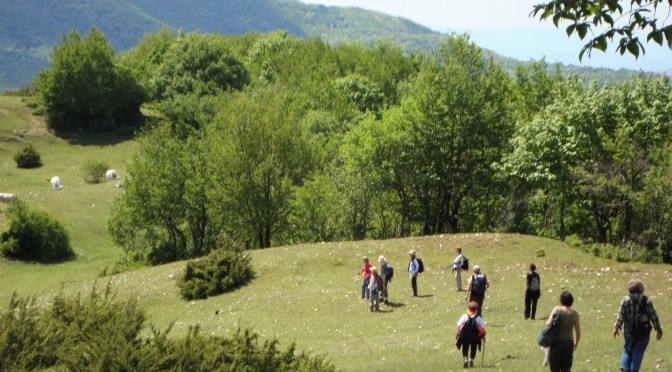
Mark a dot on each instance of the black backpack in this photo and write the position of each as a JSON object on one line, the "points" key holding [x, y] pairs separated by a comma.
{"points": [[641, 324], [478, 284], [421, 265], [469, 331], [389, 272], [465, 263]]}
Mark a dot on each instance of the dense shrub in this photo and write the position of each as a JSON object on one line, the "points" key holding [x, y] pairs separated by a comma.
{"points": [[27, 157], [219, 272], [34, 236], [97, 333], [94, 171]]}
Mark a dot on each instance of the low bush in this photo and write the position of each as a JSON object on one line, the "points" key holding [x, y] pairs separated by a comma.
{"points": [[221, 271], [28, 157], [34, 236], [100, 333], [94, 171]]}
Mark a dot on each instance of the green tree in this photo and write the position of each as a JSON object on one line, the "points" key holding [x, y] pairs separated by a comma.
{"points": [[263, 153], [621, 19], [84, 90], [171, 208]]}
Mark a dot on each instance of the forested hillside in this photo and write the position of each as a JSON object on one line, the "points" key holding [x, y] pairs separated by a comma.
{"points": [[268, 139], [29, 30]]}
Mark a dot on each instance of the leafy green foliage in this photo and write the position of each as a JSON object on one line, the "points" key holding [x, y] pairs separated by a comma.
{"points": [[84, 90], [99, 332], [94, 170], [219, 272], [28, 157], [620, 19], [34, 236]]}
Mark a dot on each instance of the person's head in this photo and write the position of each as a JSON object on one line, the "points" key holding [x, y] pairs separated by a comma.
{"points": [[533, 267], [365, 259], [473, 306], [458, 250], [374, 270], [477, 269], [381, 259], [635, 286], [566, 299], [411, 253]]}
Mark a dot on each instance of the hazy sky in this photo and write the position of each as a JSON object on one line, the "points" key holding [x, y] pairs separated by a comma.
{"points": [[506, 28]]}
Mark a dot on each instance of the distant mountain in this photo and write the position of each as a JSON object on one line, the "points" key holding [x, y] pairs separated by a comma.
{"points": [[30, 29]]}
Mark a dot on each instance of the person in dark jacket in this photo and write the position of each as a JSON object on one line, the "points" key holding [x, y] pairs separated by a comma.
{"points": [[635, 344], [532, 292]]}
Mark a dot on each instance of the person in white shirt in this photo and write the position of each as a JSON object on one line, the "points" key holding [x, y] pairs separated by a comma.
{"points": [[413, 268], [457, 268]]}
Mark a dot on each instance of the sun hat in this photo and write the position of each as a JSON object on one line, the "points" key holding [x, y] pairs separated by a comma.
{"points": [[381, 259], [411, 252], [477, 269]]}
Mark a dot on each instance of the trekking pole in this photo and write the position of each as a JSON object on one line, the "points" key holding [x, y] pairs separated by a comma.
{"points": [[483, 354]]}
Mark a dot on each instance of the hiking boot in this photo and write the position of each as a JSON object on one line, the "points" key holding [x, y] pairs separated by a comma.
{"points": [[471, 364], [466, 365]]}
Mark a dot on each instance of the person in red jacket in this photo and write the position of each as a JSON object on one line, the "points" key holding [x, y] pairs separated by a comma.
{"points": [[366, 276]]}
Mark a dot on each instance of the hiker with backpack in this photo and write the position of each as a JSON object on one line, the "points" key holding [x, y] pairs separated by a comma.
{"points": [[458, 266], [374, 288], [636, 316], [470, 334], [414, 267], [386, 272], [366, 274], [476, 287], [561, 352], [532, 292]]}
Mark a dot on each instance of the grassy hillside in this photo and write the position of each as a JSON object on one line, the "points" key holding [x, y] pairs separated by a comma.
{"points": [[309, 294]]}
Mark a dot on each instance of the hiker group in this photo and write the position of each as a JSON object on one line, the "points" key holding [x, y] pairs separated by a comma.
{"points": [[559, 339]]}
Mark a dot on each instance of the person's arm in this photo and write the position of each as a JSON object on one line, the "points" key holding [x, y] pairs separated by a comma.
{"points": [[619, 318], [549, 322], [577, 329], [654, 319]]}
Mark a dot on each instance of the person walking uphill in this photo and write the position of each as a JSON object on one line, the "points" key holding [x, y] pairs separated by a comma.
{"points": [[366, 275], [413, 269], [635, 316], [561, 353], [532, 292], [457, 268], [470, 334], [477, 285]]}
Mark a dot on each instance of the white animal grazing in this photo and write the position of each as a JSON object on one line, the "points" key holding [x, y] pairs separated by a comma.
{"points": [[7, 198], [111, 174], [56, 183]]}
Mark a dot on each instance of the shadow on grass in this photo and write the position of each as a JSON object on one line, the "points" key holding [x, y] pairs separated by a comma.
{"points": [[426, 296], [395, 304], [94, 139]]}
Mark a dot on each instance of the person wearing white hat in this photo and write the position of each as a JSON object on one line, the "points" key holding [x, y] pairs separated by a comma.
{"points": [[386, 274], [477, 285], [457, 268], [413, 268]]}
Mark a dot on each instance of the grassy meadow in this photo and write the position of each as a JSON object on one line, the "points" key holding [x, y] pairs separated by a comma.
{"points": [[310, 293]]}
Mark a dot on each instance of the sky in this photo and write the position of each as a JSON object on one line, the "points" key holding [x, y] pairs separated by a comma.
{"points": [[506, 28]]}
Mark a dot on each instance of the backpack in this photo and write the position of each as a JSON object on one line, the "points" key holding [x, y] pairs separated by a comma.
{"points": [[478, 284], [421, 265], [465, 263], [534, 284], [470, 331], [641, 324], [377, 284], [389, 272], [548, 335]]}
